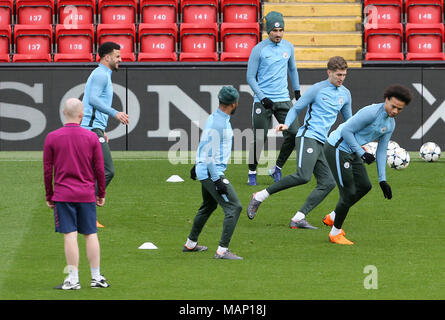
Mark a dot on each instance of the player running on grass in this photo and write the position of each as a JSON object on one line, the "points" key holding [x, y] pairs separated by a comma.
{"points": [[324, 100], [346, 157]]}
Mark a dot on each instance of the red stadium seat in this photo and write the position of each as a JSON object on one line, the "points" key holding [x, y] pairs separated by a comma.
{"points": [[157, 57], [76, 11], [199, 11], [157, 41], [4, 57], [6, 10], [124, 35], [31, 57], [33, 40], [198, 57], [125, 56], [198, 42], [384, 43], [238, 42], [383, 11], [234, 56], [240, 11], [35, 12], [424, 43], [159, 11], [69, 57], [78, 40], [5, 40], [117, 11], [424, 11]]}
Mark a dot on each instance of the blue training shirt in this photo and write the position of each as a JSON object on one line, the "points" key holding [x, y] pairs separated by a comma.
{"points": [[215, 146], [323, 100], [370, 123], [97, 99], [267, 70]]}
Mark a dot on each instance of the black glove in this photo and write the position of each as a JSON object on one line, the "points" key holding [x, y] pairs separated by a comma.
{"points": [[193, 173], [221, 187], [297, 94], [386, 189], [368, 158], [267, 103]]}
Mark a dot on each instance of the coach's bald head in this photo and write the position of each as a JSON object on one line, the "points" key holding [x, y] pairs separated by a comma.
{"points": [[73, 110]]}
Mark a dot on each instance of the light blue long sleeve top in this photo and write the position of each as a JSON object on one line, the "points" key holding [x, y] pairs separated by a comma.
{"points": [[370, 123], [215, 146], [268, 68], [97, 99], [324, 101]]}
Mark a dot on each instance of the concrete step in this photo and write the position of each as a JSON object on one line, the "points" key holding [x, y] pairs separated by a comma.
{"points": [[322, 38], [353, 53], [314, 9], [323, 64], [322, 24]]}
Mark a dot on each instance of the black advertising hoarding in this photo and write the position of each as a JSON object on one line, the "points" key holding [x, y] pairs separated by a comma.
{"points": [[433, 108], [166, 104], [368, 85]]}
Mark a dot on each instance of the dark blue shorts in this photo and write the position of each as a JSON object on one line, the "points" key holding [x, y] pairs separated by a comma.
{"points": [[75, 216]]}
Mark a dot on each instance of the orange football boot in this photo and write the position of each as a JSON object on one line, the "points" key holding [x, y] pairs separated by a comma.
{"points": [[327, 220], [99, 225], [340, 239]]}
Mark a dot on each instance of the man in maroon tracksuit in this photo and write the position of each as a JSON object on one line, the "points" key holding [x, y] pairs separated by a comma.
{"points": [[72, 157]]}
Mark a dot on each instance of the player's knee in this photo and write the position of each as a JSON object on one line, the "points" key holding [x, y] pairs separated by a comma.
{"points": [[304, 179], [299, 178], [237, 208], [213, 206], [349, 198], [330, 186], [366, 188]]}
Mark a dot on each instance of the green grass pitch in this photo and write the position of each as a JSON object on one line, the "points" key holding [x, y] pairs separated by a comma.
{"points": [[401, 239]]}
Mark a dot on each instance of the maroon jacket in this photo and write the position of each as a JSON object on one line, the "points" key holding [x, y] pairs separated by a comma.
{"points": [[76, 156]]}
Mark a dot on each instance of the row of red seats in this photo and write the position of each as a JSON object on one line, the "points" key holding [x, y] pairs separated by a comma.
{"points": [[398, 11], [420, 36], [143, 42], [44, 12], [416, 42]]}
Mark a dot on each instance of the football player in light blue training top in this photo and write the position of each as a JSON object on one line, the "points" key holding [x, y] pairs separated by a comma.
{"points": [[346, 156], [270, 63], [324, 100], [213, 154], [97, 100]]}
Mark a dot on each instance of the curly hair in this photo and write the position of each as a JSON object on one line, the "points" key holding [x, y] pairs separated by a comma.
{"points": [[399, 92]]}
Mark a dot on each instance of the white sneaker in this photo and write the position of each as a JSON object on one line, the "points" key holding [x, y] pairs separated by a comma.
{"points": [[67, 285], [99, 283]]}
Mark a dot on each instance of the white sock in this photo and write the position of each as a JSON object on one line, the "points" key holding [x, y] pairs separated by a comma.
{"points": [[221, 250], [334, 231], [332, 215], [252, 172], [278, 167], [190, 244], [298, 216], [95, 273], [73, 274], [261, 195]]}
